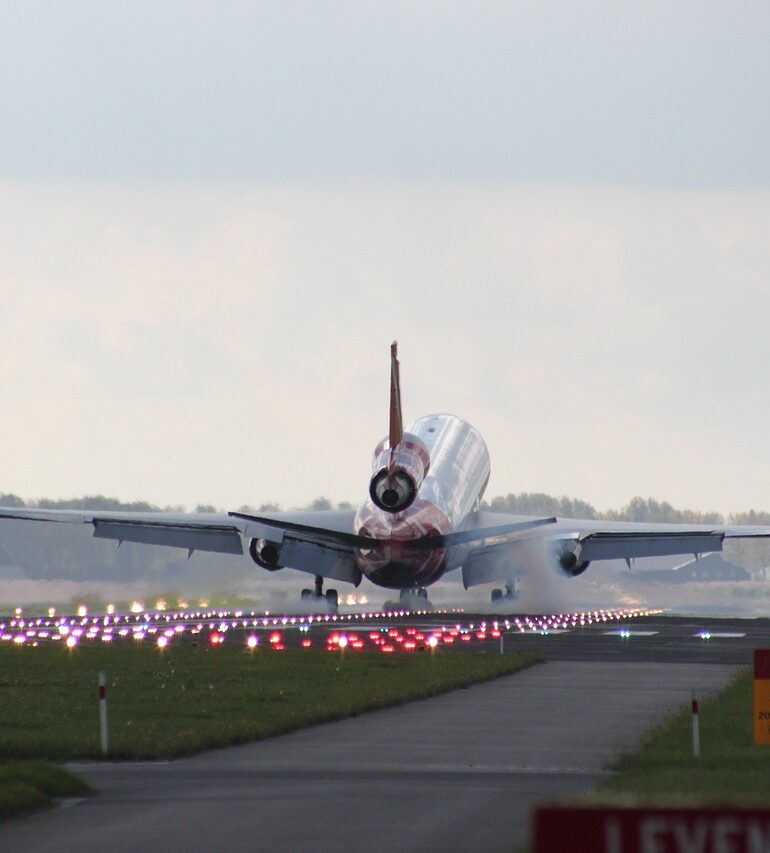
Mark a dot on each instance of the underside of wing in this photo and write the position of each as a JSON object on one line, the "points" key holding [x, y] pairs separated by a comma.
{"points": [[314, 542], [572, 544], [214, 532]]}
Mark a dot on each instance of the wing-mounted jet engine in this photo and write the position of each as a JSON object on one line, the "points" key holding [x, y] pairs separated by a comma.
{"points": [[568, 553], [266, 554]]}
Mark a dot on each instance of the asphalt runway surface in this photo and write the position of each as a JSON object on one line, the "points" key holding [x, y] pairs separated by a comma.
{"points": [[659, 638], [460, 771]]}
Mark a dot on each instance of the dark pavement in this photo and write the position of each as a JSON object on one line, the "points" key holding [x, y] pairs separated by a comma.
{"points": [[456, 772]]}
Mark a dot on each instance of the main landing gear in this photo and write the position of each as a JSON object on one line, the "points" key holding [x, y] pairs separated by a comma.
{"points": [[317, 595], [414, 599], [411, 594], [510, 593]]}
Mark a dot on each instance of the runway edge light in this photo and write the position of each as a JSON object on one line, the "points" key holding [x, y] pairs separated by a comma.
{"points": [[762, 696]]}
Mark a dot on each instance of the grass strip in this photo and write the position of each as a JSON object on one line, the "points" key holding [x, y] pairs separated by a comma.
{"points": [[29, 785], [731, 769], [184, 699]]}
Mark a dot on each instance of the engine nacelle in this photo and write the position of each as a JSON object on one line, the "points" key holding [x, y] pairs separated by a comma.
{"points": [[266, 554], [398, 473], [568, 559]]}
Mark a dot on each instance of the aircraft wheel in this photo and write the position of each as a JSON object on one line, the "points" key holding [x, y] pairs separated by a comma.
{"points": [[497, 595], [422, 593], [332, 599], [306, 594]]}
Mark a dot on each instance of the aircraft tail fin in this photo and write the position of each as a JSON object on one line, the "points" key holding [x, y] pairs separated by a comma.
{"points": [[396, 431]]}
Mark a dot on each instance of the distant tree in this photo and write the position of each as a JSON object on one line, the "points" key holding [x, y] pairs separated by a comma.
{"points": [[99, 502], [537, 503], [651, 510], [320, 504], [11, 500], [248, 509], [752, 554], [205, 508]]}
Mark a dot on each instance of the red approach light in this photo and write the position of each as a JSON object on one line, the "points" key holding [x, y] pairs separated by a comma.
{"points": [[409, 646], [306, 644], [388, 650], [215, 638], [278, 647], [275, 639], [495, 634], [449, 640]]}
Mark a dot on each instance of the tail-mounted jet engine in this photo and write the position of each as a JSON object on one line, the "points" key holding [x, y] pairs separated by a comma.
{"points": [[398, 473], [568, 558], [266, 554]]}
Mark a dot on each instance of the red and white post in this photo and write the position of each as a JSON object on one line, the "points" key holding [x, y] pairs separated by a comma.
{"points": [[103, 729], [695, 728]]}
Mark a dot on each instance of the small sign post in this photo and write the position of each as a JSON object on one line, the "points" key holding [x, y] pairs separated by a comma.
{"points": [[103, 730], [762, 696], [695, 728]]}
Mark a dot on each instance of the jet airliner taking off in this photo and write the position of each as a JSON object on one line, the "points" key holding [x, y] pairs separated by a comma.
{"points": [[420, 519]]}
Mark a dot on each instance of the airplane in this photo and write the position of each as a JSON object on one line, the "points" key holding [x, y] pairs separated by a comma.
{"points": [[421, 518]]}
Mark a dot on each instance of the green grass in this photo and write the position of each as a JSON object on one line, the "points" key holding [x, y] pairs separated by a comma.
{"points": [[185, 699], [731, 769], [29, 785]]}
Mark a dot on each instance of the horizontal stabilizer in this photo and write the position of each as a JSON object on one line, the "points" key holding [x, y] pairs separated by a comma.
{"points": [[352, 540], [477, 534], [311, 532]]}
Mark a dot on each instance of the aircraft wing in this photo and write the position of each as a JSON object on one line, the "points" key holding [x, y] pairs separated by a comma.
{"points": [[590, 540], [314, 542]]}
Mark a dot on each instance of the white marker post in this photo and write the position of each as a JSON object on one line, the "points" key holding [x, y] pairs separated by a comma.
{"points": [[103, 713], [695, 729], [502, 641]]}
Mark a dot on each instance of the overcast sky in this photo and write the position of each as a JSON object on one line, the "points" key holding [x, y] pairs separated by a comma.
{"points": [[215, 217]]}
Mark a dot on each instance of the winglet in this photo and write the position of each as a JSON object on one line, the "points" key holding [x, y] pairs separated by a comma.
{"points": [[396, 424]]}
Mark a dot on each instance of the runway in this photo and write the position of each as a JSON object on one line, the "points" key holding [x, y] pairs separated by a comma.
{"points": [[660, 638], [456, 772]]}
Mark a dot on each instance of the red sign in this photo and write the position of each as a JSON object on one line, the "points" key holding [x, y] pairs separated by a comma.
{"points": [[762, 696], [597, 829]]}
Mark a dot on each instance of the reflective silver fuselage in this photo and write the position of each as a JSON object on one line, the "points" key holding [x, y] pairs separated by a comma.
{"points": [[446, 501]]}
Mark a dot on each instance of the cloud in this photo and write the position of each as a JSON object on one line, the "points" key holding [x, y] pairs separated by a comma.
{"points": [[227, 343]]}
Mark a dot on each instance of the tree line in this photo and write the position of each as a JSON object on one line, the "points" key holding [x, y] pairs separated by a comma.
{"points": [[46, 551]]}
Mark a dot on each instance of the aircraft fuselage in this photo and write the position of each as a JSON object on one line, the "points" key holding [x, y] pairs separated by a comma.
{"points": [[452, 461]]}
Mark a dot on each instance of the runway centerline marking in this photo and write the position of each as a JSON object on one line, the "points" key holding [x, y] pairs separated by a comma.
{"points": [[724, 635], [629, 632]]}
